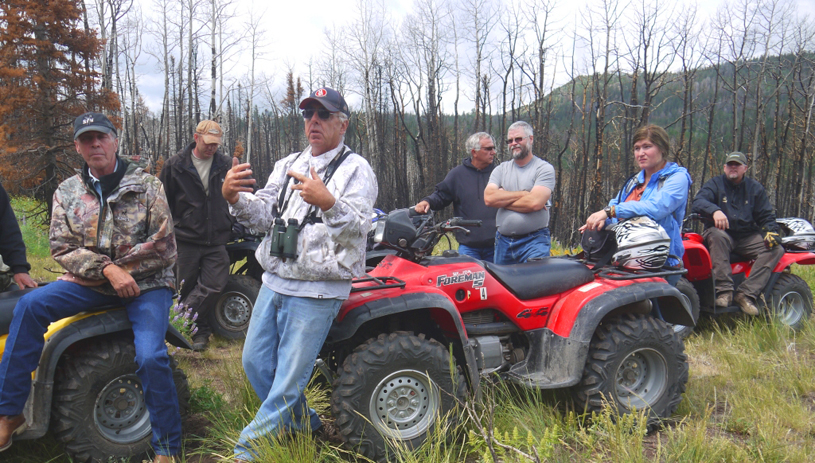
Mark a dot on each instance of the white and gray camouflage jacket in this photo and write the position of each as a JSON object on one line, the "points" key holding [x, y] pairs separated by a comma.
{"points": [[332, 250]]}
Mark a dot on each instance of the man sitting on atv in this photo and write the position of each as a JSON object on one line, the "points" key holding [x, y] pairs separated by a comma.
{"points": [[112, 231], [744, 223]]}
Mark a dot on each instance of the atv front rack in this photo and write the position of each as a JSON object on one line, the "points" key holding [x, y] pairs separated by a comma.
{"points": [[378, 283], [616, 273]]}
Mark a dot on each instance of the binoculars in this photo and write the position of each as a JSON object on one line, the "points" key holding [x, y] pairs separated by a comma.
{"points": [[284, 239]]}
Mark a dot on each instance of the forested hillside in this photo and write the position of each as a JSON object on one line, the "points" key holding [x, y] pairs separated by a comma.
{"points": [[741, 78]]}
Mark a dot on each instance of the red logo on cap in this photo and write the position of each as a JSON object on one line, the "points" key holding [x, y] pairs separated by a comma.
{"points": [[320, 93]]}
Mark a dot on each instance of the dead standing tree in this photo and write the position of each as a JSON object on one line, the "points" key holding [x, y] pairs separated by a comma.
{"points": [[601, 28]]}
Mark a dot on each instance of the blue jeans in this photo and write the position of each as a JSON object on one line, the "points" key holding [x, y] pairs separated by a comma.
{"points": [[510, 250], [149, 315], [286, 332], [486, 253]]}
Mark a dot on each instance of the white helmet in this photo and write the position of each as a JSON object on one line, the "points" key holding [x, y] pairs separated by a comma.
{"points": [[798, 234], [641, 244]]}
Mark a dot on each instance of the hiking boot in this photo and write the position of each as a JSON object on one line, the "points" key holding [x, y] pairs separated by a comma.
{"points": [[164, 459], [747, 304], [9, 426], [724, 299], [200, 342]]}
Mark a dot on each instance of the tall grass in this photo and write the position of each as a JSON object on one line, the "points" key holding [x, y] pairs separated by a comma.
{"points": [[750, 398]]}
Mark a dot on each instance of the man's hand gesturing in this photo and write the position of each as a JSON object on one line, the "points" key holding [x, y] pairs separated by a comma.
{"points": [[313, 190], [238, 179]]}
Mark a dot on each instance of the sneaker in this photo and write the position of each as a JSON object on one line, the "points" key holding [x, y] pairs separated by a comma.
{"points": [[747, 304], [724, 299], [200, 342]]}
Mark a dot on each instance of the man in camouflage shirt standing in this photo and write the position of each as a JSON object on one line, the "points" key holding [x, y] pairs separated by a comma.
{"points": [[112, 231]]}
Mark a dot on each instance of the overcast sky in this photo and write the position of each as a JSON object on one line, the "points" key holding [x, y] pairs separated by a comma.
{"points": [[294, 33]]}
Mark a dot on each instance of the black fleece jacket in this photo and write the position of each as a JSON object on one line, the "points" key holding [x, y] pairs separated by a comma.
{"points": [[12, 247], [197, 217], [464, 187], [745, 204]]}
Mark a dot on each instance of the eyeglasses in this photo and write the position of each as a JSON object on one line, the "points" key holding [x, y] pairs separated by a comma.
{"points": [[515, 140], [488, 148], [323, 114]]}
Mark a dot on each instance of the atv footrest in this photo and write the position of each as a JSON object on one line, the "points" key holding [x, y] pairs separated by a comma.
{"points": [[378, 283]]}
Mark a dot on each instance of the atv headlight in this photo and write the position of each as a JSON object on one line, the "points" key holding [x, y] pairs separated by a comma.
{"points": [[380, 230], [397, 229]]}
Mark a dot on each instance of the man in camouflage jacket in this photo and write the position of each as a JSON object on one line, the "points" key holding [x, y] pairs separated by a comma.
{"points": [[330, 191], [112, 231]]}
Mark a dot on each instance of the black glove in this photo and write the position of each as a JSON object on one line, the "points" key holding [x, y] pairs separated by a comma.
{"points": [[771, 238]]}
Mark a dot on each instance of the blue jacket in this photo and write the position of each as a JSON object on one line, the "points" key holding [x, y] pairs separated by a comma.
{"points": [[664, 200]]}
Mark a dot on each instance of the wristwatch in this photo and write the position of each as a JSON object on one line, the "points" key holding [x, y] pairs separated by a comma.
{"points": [[608, 210]]}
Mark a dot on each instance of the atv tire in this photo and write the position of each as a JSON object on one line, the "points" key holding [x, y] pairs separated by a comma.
{"points": [[692, 298], [791, 300], [634, 362], [233, 309], [383, 396], [104, 372]]}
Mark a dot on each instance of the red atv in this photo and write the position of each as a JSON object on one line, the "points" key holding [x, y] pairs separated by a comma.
{"points": [[787, 296], [419, 332]]}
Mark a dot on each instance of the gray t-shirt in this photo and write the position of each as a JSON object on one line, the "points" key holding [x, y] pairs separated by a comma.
{"points": [[510, 177], [203, 166]]}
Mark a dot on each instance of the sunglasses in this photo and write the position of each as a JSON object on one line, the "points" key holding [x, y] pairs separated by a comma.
{"points": [[515, 140], [488, 148], [323, 114]]}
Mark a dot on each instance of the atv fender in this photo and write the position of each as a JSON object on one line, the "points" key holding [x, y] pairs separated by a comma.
{"points": [[556, 361], [405, 303], [789, 258], [38, 405]]}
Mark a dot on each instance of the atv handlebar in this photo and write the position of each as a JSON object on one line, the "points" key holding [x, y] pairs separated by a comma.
{"points": [[459, 222]]}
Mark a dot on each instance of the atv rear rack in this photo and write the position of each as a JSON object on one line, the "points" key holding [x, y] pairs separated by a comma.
{"points": [[626, 274], [379, 283]]}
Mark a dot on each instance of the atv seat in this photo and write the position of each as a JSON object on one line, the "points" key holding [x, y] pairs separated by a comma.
{"points": [[8, 300], [540, 278]]}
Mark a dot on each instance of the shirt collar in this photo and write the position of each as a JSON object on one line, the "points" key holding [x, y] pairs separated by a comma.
{"points": [[96, 180], [321, 161]]}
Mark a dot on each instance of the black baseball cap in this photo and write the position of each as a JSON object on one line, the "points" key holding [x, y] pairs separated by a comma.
{"points": [[329, 99], [92, 122]]}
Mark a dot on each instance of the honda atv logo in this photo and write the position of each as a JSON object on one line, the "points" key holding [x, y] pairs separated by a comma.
{"points": [[461, 277]]}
